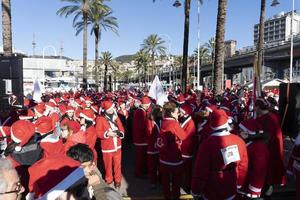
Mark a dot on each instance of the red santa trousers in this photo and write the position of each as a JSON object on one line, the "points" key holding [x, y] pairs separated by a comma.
{"points": [[140, 160], [152, 165], [171, 175], [112, 165]]}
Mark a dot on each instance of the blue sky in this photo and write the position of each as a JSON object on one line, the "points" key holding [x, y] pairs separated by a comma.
{"points": [[137, 19]]}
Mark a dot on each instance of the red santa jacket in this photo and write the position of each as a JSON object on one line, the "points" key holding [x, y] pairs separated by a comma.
{"points": [[52, 145], [140, 127], [269, 124], [91, 137], [169, 142], [153, 131], [204, 131], [103, 125], [258, 157], [187, 145], [221, 166], [54, 117]]}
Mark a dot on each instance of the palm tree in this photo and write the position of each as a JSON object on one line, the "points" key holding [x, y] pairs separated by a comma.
{"points": [[116, 73], [106, 60], [220, 47], [210, 45], [6, 28], [141, 60], [79, 8], [203, 55], [154, 46], [100, 19]]}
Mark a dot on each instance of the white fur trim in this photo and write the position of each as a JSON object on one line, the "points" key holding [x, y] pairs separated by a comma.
{"points": [[50, 138], [208, 109], [112, 106], [94, 109], [35, 110], [254, 189], [140, 144], [226, 125], [186, 156], [171, 163], [18, 148], [2, 131], [86, 117], [13, 137], [64, 185], [246, 129], [25, 117], [222, 133], [186, 121], [152, 152]]}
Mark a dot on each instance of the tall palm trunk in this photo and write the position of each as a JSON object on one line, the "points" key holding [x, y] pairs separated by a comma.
{"points": [[110, 83], [85, 18], [6, 28], [105, 78], [153, 66], [115, 82], [97, 67], [185, 44], [220, 47], [260, 46]]}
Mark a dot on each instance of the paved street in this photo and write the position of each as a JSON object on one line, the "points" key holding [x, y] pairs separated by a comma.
{"points": [[133, 188]]}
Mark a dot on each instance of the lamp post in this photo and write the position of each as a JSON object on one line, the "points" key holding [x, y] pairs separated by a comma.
{"points": [[198, 46], [46, 47]]}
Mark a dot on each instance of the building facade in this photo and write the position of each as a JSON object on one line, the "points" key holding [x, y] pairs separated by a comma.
{"points": [[278, 28]]}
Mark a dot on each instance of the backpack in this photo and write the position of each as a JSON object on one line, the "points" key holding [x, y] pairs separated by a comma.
{"points": [[31, 152]]}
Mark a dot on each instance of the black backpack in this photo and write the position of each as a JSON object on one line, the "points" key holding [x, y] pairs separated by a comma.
{"points": [[31, 152]]}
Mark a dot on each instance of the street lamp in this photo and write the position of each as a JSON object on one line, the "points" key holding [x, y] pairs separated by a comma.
{"points": [[275, 3], [177, 4]]}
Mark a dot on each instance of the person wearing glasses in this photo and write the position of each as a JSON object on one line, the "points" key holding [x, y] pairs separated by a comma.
{"points": [[10, 185]]}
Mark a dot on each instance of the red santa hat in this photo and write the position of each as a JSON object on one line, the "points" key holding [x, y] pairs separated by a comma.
{"points": [[53, 101], [44, 125], [21, 132], [64, 98], [52, 176], [50, 105], [121, 101], [69, 109], [186, 109], [180, 99], [77, 102], [107, 105], [87, 114], [146, 100], [211, 108], [28, 115], [88, 100], [40, 109], [219, 119], [250, 126]]}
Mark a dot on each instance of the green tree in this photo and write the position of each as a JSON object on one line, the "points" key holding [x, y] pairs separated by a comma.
{"points": [[141, 61], [79, 8], [203, 55], [106, 60], [219, 48], [154, 46], [6, 28], [100, 18]]}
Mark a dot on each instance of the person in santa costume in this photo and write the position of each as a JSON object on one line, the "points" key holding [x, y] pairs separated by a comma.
{"points": [[269, 123], [57, 177], [72, 135], [153, 127], [68, 115], [51, 143], [169, 143], [110, 130], [21, 133], [187, 145], [222, 162], [140, 136], [87, 122], [258, 157]]}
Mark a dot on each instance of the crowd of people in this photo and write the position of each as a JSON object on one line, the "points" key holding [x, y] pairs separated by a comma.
{"points": [[228, 146]]}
